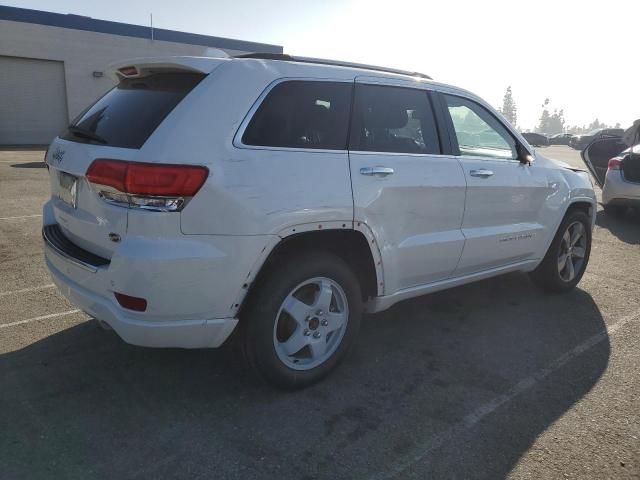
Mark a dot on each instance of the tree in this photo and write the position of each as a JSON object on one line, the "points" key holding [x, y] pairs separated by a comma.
{"points": [[509, 108], [551, 123], [544, 121], [595, 124], [556, 122], [543, 126]]}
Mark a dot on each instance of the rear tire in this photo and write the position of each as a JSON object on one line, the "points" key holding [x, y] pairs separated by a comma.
{"points": [[291, 332], [568, 255]]}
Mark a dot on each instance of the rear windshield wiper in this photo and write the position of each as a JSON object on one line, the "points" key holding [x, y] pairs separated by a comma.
{"points": [[81, 132]]}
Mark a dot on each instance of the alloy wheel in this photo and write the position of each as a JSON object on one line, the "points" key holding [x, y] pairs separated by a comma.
{"points": [[311, 323], [573, 247]]}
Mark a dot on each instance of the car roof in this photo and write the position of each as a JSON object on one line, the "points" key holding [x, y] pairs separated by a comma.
{"points": [[280, 65], [339, 63], [283, 65]]}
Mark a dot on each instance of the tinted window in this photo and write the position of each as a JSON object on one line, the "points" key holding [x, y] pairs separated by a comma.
{"points": [[478, 132], [128, 114], [300, 114], [393, 119], [616, 132]]}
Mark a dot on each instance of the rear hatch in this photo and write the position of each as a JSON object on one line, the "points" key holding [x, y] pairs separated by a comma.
{"points": [[631, 165], [597, 155], [82, 215], [115, 127]]}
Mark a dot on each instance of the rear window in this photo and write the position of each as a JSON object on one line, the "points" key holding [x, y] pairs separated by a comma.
{"points": [[129, 113], [302, 114], [393, 119]]}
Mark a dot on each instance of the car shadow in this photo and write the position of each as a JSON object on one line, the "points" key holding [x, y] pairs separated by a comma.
{"points": [[625, 227], [30, 165], [81, 403], [22, 148]]}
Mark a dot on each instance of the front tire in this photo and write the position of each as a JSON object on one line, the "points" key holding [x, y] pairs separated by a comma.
{"points": [[566, 260], [302, 319]]}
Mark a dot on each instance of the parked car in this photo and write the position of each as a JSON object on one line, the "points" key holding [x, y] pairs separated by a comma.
{"points": [[283, 196], [536, 139], [579, 142], [616, 168], [560, 139]]}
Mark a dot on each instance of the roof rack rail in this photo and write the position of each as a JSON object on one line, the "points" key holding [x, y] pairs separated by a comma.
{"points": [[321, 61]]}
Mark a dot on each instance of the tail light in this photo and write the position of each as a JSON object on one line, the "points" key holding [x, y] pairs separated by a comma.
{"points": [[149, 186], [614, 163]]}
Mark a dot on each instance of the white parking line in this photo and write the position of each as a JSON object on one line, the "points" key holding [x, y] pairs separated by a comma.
{"points": [[43, 317], [21, 216], [26, 290], [475, 417]]}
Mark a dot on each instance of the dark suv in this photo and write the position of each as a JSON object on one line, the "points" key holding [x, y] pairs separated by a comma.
{"points": [[580, 142]]}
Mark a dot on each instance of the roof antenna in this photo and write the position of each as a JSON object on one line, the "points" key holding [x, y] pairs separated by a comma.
{"points": [[151, 17]]}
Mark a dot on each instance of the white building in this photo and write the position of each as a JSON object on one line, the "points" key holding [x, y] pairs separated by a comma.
{"points": [[52, 66]]}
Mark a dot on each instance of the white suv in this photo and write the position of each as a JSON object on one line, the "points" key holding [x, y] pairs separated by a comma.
{"points": [[282, 196]]}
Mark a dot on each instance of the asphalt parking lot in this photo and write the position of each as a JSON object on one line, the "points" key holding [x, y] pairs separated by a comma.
{"points": [[490, 380]]}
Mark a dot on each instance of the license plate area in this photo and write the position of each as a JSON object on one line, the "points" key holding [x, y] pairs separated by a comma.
{"points": [[67, 190]]}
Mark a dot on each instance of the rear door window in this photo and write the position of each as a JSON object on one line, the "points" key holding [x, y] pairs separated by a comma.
{"points": [[302, 114], [129, 113], [393, 119]]}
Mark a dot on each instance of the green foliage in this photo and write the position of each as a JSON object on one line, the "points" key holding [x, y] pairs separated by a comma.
{"points": [[509, 108], [551, 123], [578, 130]]}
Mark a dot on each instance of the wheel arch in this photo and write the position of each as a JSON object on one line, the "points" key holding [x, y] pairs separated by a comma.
{"points": [[353, 243], [587, 205]]}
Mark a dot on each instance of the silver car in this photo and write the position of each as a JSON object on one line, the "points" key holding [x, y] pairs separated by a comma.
{"points": [[616, 168]]}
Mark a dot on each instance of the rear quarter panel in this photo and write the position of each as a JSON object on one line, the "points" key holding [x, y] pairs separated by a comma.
{"points": [[250, 190]]}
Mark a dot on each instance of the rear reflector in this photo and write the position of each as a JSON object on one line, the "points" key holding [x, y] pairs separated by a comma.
{"points": [[131, 303], [148, 178], [614, 163]]}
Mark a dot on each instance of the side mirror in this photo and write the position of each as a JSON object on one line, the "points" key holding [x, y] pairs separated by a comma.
{"points": [[523, 155]]}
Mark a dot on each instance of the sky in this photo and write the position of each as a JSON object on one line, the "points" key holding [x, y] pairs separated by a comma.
{"points": [[582, 56]]}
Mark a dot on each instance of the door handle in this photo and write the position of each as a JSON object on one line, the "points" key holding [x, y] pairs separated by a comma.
{"points": [[379, 171], [482, 173]]}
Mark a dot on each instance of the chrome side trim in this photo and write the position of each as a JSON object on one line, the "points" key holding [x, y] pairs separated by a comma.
{"points": [[66, 256]]}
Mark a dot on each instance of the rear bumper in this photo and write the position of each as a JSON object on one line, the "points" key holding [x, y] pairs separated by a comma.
{"points": [[618, 191], [193, 284], [192, 333]]}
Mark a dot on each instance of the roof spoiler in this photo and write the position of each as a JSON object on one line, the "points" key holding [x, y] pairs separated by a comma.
{"points": [[140, 67]]}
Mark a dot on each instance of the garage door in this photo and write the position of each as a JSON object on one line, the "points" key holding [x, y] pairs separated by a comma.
{"points": [[33, 102]]}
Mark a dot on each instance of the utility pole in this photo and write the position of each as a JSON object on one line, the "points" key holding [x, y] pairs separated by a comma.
{"points": [[151, 18]]}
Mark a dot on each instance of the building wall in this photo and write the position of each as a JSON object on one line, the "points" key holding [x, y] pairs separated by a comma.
{"points": [[84, 52]]}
